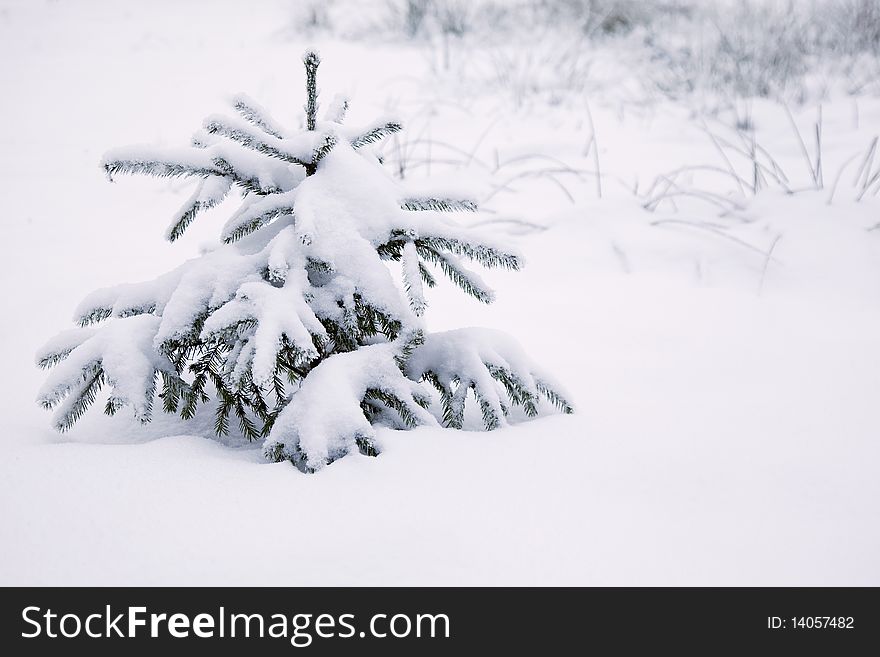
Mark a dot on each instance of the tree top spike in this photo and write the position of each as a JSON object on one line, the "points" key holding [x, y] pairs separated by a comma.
{"points": [[311, 58]]}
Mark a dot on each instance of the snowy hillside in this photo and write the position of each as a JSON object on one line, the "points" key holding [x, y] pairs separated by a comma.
{"points": [[702, 275]]}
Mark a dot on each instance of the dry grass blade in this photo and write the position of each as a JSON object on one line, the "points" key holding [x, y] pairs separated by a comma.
{"points": [[803, 145]]}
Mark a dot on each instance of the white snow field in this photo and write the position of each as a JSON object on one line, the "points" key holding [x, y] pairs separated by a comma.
{"points": [[722, 347]]}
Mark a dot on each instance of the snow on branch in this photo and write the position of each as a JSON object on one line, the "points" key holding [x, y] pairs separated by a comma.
{"points": [[162, 163], [451, 266], [120, 355], [485, 254], [488, 363], [376, 133], [326, 144], [274, 317], [217, 160], [328, 416], [438, 204], [124, 300], [209, 192], [256, 114], [59, 347], [293, 151], [412, 278], [337, 109], [256, 214]]}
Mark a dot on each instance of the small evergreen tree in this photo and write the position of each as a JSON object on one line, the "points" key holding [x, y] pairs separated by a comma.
{"points": [[295, 325]]}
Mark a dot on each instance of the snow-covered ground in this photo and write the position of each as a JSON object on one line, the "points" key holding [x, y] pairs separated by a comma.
{"points": [[722, 347]]}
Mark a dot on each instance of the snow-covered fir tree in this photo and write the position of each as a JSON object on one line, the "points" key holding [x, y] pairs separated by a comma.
{"points": [[294, 325]]}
